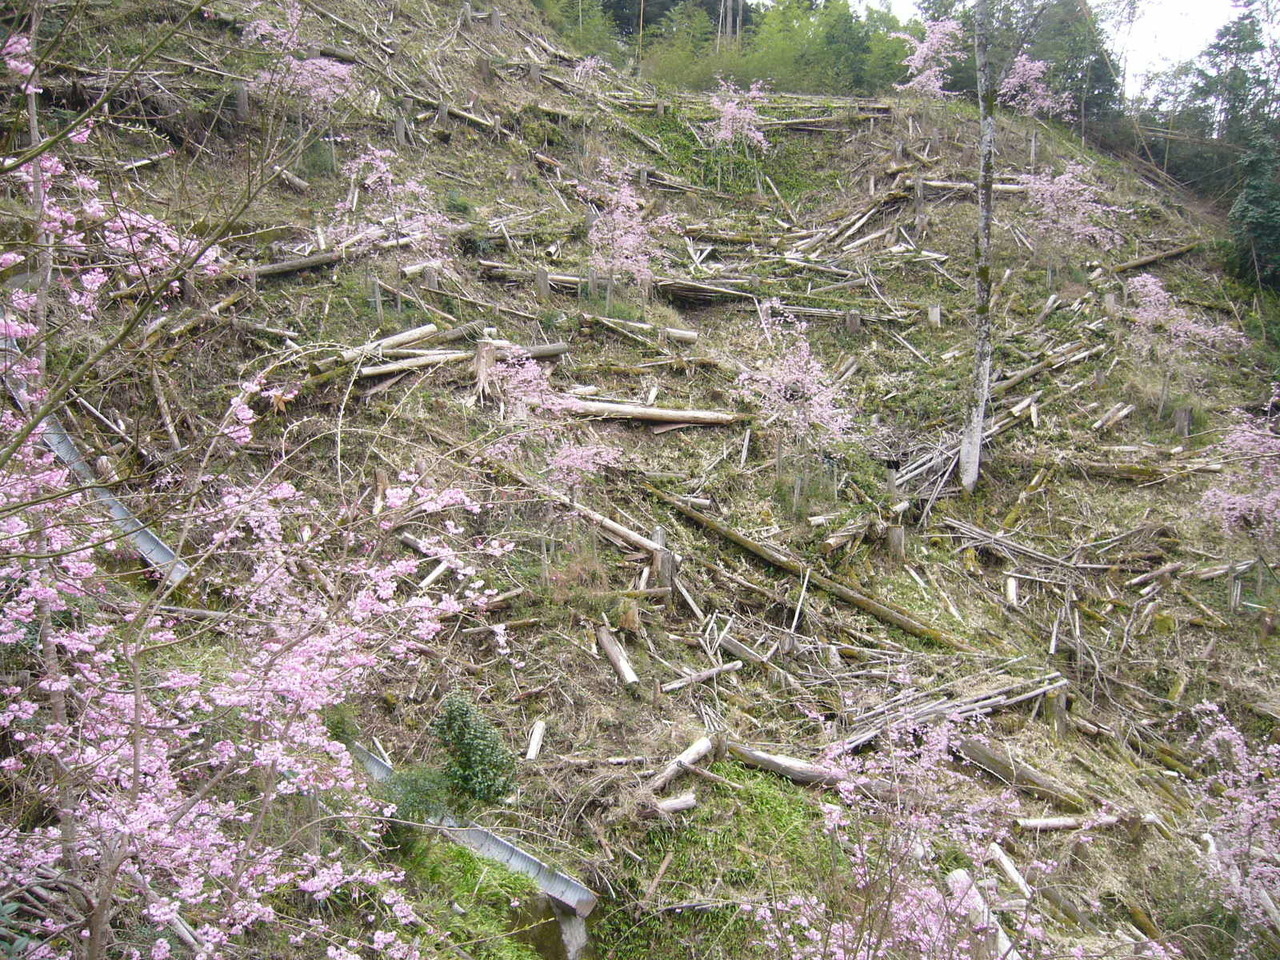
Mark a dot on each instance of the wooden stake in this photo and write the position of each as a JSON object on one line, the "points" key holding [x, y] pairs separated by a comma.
{"points": [[896, 543]]}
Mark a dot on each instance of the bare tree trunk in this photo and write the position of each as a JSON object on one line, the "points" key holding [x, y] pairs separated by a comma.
{"points": [[971, 444]]}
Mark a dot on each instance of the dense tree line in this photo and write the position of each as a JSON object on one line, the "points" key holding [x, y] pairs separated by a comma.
{"points": [[831, 46], [1214, 123]]}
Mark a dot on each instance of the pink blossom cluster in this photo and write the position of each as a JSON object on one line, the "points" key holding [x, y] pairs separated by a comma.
{"points": [[168, 793], [1240, 798], [589, 72], [523, 381], [737, 121], [794, 389], [1249, 498], [317, 83], [16, 53], [573, 463], [405, 209], [1070, 209], [888, 901], [1024, 90], [372, 169], [1154, 306], [237, 425], [623, 242], [95, 238], [930, 58]]}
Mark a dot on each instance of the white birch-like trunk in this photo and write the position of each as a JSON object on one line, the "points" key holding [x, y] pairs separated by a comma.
{"points": [[971, 442]]}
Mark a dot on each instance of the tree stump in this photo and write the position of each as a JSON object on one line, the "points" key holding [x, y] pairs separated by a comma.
{"points": [[895, 543]]}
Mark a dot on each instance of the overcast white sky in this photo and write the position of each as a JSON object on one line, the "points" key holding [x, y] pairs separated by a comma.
{"points": [[1170, 31], [1166, 32]]}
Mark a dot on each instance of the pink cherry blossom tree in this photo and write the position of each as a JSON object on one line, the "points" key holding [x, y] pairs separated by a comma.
{"points": [[624, 242], [1154, 307], [169, 808], [1025, 91], [796, 394], [315, 84], [736, 135], [931, 57], [1248, 498], [1070, 209]]}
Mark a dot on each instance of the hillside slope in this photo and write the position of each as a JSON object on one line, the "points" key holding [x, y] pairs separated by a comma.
{"points": [[712, 509]]}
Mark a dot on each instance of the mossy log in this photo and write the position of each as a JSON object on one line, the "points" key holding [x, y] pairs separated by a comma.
{"points": [[880, 609]]}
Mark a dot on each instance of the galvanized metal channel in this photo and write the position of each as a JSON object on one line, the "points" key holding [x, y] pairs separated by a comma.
{"points": [[560, 887], [151, 547]]}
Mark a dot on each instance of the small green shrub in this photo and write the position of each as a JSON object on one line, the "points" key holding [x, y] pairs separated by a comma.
{"points": [[480, 765], [455, 202]]}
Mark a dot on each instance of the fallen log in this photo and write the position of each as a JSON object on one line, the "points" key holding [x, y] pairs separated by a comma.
{"points": [[631, 411], [963, 187], [540, 351], [1020, 775], [700, 748], [1155, 257], [669, 806], [880, 609], [617, 656], [701, 676], [797, 771], [292, 266], [675, 287], [803, 772]]}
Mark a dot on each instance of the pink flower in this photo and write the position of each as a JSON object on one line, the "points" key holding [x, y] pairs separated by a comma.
{"points": [[82, 133], [930, 58], [573, 462], [622, 240], [1024, 90], [589, 71], [1070, 208], [737, 120], [16, 51]]}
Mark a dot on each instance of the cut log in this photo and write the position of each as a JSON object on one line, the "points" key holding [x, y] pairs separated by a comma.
{"points": [[700, 748], [617, 656], [990, 939], [632, 411], [801, 771], [535, 740], [420, 334], [670, 805], [1020, 775], [1154, 258], [701, 676], [798, 771], [290, 179], [292, 266], [880, 609], [1042, 824]]}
